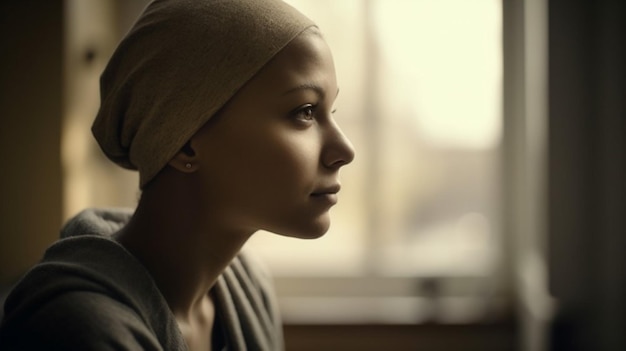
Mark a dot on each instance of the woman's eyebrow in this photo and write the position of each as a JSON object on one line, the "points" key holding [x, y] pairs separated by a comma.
{"points": [[308, 86]]}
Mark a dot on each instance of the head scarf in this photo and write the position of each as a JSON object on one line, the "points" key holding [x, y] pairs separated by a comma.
{"points": [[177, 66]]}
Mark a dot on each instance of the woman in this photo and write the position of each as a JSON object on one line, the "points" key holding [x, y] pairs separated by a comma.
{"points": [[225, 109]]}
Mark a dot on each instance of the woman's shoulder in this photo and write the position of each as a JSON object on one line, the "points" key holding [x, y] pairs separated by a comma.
{"points": [[79, 320], [90, 286]]}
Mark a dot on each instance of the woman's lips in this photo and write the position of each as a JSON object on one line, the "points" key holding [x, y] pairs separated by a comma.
{"points": [[327, 194], [333, 189], [330, 198]]}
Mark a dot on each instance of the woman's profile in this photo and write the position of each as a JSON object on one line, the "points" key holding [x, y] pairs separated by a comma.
{"points": [[225, 108]]}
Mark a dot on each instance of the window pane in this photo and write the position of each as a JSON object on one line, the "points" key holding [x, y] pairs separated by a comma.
{"points": [[440, 65]]}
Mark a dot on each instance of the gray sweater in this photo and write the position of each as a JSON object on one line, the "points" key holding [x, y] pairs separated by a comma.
{"points": [[89, 293]]}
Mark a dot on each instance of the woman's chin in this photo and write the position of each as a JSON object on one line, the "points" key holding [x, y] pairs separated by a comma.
{"points": [[312, 230]]}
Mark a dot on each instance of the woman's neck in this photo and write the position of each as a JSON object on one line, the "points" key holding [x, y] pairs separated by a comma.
{"points": [[183, 250]]}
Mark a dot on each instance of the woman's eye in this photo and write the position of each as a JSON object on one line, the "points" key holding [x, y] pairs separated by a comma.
{"points": [[306, 112]]}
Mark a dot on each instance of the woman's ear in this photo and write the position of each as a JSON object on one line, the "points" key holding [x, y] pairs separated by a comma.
{"points": [[185, 159]]}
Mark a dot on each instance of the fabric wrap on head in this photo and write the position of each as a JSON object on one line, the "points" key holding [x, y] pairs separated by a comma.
{"points": [[177, 66]]}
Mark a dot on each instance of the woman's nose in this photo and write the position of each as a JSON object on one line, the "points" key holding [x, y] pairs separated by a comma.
{"points": [[338, 150]]}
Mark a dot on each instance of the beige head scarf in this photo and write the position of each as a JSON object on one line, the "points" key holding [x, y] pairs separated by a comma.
{"points": [[178, 65]]}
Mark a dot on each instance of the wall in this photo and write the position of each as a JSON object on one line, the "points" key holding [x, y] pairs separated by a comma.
{"points": [[587, 165], [31, 95]]}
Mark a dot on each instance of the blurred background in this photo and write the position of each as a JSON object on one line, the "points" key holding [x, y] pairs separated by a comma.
{"points": [[485, 208]]}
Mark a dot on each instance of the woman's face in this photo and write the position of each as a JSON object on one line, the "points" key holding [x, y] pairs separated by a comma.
{"points": [[270, 159]]}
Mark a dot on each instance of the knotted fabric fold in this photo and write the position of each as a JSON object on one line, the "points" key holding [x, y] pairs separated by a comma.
{"points": [[177, 66]]}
